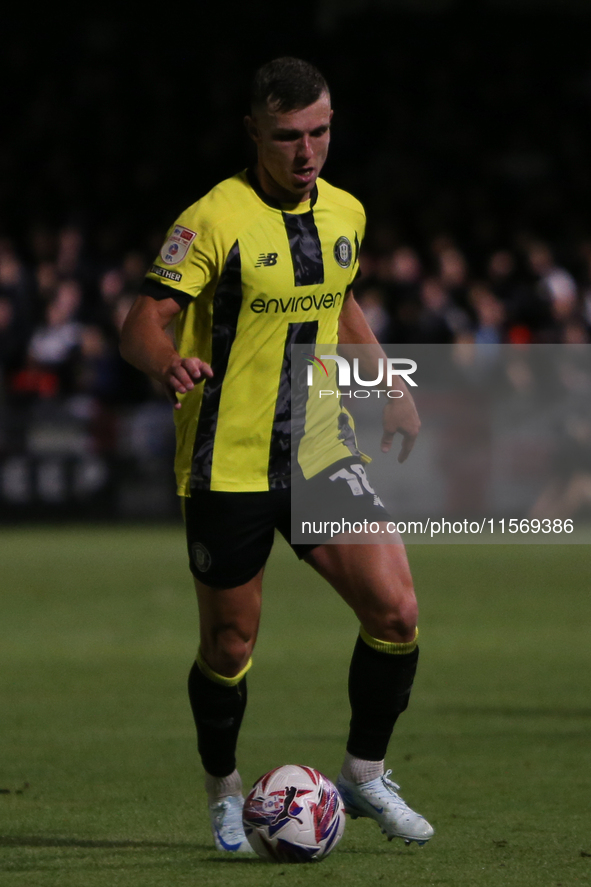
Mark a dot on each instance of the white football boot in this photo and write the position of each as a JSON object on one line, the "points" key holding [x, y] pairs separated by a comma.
{"points": [[379, 800], [225, 815]]}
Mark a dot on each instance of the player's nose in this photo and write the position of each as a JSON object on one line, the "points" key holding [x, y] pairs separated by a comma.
{"points": [[305, 148]]}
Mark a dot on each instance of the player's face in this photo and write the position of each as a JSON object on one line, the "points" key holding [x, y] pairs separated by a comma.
{"points": [[292, 147]]}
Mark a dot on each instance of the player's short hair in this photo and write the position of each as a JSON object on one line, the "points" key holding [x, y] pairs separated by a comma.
{"points": [[287, 84]]}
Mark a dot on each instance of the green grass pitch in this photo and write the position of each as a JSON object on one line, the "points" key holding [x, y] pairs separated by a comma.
{"points": [[98, 770]]}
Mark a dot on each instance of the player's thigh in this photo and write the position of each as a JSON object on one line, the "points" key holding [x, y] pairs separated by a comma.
{"points": [[375, 581], [229, 622], [229, 536]]}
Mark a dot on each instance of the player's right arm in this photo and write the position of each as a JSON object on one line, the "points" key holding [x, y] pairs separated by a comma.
{"points": [[146, 345], [400, 415]]}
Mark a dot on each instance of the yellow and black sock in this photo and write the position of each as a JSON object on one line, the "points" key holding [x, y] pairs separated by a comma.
{"points": [[218, 705], [380, 681]]}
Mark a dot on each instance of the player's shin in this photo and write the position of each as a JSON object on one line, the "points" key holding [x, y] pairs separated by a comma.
{"points": [[380, 682], [218, 705]]}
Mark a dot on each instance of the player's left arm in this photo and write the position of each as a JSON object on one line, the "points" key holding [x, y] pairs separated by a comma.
{"points": [[400, 413]]}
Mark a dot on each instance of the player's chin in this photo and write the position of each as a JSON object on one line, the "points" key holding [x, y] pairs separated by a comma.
{"points": [[303, 182]]}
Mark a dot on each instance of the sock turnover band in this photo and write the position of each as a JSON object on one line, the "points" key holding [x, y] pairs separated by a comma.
{"points": [[388, 646], [218, 678]]}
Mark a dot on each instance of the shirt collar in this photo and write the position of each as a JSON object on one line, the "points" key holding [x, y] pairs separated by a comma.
{"points": [[272, 201]]}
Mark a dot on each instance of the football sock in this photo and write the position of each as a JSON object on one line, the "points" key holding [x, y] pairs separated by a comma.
{"points": [[218, 705], [380, 680], [218, 787], [358, 771]]}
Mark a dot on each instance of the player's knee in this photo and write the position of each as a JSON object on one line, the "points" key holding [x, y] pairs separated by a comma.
{"points": [[395, 622], [227, 651], [402, 621]]}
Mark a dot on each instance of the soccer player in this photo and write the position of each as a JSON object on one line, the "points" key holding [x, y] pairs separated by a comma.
{"points": [[234, 275]]}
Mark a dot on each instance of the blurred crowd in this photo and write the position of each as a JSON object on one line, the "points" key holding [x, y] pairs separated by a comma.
{"points": [[60, 318], [518, 298], [61, 313]]}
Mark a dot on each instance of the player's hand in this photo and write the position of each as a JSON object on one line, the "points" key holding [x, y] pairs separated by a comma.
{"points": [[182, 376], [400, 417]]}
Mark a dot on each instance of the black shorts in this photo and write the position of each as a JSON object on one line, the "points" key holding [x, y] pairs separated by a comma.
{"points": [[230, 535]]}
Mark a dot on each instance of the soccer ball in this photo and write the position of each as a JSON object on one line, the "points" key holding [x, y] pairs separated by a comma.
{"points": [[293, 814]]}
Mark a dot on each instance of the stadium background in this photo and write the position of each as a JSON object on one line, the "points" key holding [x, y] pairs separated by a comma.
{"points": [[464, 132]]}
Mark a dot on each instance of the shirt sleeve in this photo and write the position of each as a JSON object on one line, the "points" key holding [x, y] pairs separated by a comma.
{"points": [[187, 262]]}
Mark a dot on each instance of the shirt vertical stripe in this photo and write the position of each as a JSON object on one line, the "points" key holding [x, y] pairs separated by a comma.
{"points": [[227, 302], [305, 248], [290, 415]]}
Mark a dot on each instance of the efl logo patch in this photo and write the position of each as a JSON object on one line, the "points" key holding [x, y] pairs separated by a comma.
{"points": [[343, 252], [175, 248]]}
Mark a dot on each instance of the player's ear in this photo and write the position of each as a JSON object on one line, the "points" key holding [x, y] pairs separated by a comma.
{"points": [[252, 128]]}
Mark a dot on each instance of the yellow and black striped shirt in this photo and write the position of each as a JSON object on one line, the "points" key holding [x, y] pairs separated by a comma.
{"points": [[254, 277]]}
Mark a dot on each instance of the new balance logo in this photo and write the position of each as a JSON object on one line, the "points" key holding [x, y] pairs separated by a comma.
{"points": [[266, 259]]}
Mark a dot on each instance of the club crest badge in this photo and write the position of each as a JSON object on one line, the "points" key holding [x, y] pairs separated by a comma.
{"points": [[201, 557], [343, 252], [175, 248]]}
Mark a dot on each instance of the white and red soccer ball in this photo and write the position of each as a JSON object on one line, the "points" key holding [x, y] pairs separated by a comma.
{"points": [[293, 814]]}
